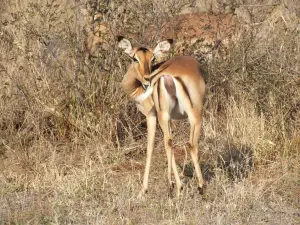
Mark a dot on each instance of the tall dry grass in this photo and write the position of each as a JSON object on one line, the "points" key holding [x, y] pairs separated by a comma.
{"points": [[72, 146]]}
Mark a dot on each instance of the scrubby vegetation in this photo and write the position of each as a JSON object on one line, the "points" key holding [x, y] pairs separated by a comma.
{"points": [[72, 147]]}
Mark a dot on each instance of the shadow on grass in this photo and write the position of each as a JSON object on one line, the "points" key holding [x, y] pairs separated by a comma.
{"points": [[235, 161]]}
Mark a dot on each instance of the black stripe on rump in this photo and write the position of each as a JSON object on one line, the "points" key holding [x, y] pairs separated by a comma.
{"points": [[158, 94], [184, 89]]}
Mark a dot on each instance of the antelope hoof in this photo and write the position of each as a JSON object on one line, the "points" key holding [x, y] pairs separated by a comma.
{"points": [[171, 188], [179, 191], [142, 194], [201, 189]]}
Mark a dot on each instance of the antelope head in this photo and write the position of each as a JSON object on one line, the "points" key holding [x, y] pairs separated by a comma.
{"points": [[143, 58]]}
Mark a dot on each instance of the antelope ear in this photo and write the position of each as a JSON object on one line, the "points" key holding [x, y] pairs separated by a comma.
{"points": [[162, 47], [125, 45]]}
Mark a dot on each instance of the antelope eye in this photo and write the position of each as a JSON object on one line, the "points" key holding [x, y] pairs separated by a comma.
{"points": [[134, 59], [153, 59]]}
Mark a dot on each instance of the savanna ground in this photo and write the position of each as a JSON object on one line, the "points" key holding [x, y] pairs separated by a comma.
{"points": [[72, 147]]}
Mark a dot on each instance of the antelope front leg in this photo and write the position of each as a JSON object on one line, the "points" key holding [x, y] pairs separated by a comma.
{"points": [[151, 128]]}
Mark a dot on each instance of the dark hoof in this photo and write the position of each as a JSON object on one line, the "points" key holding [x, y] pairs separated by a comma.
{"points": [[171, 188], [201, 189]]}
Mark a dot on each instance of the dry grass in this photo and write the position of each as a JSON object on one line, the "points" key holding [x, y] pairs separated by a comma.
{"points": [[72, 147]]}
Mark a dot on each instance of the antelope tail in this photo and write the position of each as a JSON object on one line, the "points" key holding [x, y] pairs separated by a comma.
{"points": [[145, 95]]}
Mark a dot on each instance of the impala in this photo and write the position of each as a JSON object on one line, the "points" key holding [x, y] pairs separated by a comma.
{"points": [[175, 90]]}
